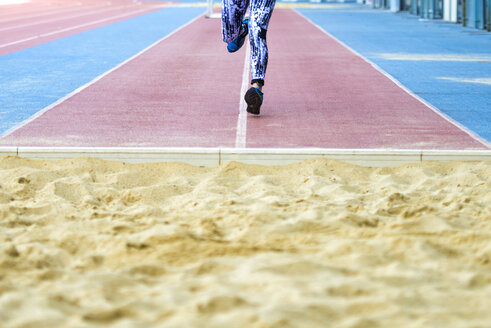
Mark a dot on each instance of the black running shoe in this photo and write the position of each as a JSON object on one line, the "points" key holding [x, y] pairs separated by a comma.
{"points": [[254, 100]]}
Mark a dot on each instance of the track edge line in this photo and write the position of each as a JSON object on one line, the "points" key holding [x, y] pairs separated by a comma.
{"points": [[460, 126], [93, 81], [241, 135]]}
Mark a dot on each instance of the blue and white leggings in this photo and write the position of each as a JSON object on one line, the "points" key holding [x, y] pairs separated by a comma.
{"points": [[233, 12]]}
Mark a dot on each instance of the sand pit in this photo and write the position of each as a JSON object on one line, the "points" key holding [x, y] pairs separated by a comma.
{"points": [[89, 243]]}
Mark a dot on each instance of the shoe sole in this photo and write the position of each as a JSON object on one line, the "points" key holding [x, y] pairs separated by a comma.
{"points": [[254, 101]]}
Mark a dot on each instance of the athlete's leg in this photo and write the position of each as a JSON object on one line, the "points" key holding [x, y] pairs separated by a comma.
{"points": [[233, 12], [261, 11]]}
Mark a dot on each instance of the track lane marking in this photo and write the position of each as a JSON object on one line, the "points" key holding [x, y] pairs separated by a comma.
{"points": [[400, 85], [74, 27], [44, 11], [85, 86], [482, 80], [241, 137], [92, 12]]}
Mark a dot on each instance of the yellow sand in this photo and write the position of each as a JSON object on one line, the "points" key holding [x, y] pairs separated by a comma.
{"points": [[89, 243]]}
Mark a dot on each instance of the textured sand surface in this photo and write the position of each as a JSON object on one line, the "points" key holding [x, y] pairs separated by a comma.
{"points": [[89, 243]]}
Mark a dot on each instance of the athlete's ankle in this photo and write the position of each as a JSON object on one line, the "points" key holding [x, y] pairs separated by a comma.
{"points": [[257, 85]]}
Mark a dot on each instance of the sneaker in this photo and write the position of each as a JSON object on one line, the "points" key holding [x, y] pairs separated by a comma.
{"points": [[239, 41], [254, 100]]}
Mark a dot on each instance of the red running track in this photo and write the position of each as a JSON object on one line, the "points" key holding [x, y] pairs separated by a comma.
{"points": [[43, 21], [185, 92], [320, 94]]}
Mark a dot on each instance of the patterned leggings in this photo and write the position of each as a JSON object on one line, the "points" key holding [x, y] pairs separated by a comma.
{"points": [[233, 13]]}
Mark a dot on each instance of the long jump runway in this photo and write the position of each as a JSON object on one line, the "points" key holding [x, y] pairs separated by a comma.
{"points": [[186, 91]]}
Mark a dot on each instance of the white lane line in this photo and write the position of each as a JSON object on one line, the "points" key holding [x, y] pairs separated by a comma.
{"points": [[241, 137], [73, 28], [85, 86], [94, 11], [478, 80], [44, 11], [483, 58], [400, 85]]}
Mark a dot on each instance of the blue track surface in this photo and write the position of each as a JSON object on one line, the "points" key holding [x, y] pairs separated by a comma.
{"points": [[373, 33], [34, 78]]}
